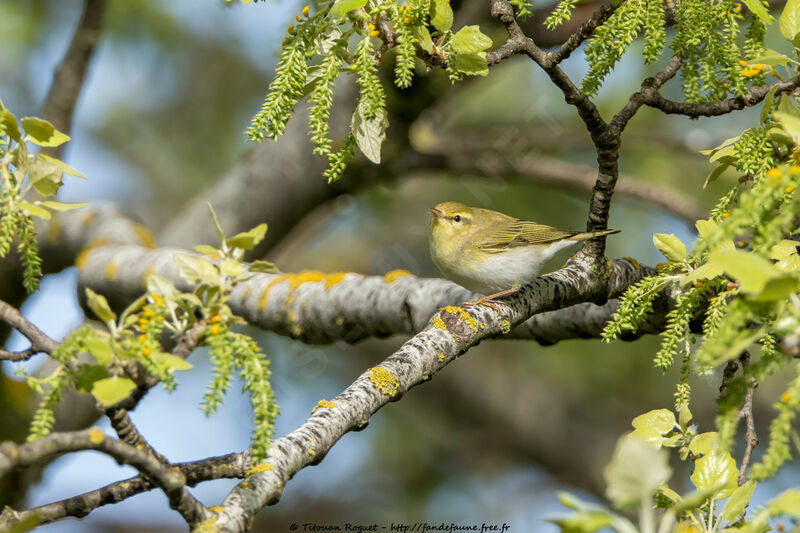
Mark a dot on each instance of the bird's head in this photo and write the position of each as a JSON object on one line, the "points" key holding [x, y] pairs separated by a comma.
{"points": [[451, 222]]}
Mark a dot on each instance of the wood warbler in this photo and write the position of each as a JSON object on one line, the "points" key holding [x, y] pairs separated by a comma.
{"points": [[492, 253]]}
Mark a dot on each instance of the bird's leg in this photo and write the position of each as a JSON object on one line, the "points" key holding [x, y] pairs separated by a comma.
{"points": [[487, 300]]}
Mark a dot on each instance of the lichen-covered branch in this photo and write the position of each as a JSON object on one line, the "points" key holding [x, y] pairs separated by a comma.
{"points": [[170, 480], [234, 465], [317, 307], [448, 335]]}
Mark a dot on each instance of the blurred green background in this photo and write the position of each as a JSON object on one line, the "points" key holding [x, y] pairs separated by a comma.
{"points": [[497, 433]]}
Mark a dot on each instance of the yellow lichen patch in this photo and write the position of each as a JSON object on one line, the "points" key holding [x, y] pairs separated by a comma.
{"points": [[110, 270], [215, 508], [260, 467], [383, 380], [149, 271], [441, 357], [463, 314], [438, 323], [394, 275], [145, 237], [633, 261], [323, 404], [80, 259], [246, 292], [246, 485], [87, 218], [339, 320], [505, 326], [262, 300], [334, 278], [311, 451], [96, 436], [209, 525]]}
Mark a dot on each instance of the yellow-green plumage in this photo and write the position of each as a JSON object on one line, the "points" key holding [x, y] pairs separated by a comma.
{"points": [[487, 251]]}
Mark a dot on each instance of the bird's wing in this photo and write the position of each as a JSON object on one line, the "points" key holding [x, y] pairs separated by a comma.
{"points": [[516, 233]]}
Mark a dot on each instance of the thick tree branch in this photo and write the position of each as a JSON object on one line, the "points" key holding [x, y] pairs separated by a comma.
{"points": [[170, 480], [234, 465], [310, 306], [70, 74], [449, 334], [40, 342], [649, 87]]}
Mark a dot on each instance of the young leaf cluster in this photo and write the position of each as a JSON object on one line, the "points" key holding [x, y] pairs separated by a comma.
{"points": [[741, 279], [23, 171], [637, 477], [344, 37], [135, 339]]}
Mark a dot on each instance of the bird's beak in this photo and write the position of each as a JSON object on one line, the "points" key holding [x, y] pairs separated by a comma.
{"points": [[436, 213]]}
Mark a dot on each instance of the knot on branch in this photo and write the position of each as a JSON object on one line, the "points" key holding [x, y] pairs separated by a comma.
{"points": [[502, 11]]}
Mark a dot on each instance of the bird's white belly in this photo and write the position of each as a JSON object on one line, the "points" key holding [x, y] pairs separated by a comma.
{"points": [[507, 269]]}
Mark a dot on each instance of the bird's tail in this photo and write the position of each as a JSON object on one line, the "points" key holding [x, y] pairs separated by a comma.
{"points": [[589, 234]]}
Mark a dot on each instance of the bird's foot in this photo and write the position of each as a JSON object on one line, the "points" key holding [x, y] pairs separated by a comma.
{"points": [[488, 301]]}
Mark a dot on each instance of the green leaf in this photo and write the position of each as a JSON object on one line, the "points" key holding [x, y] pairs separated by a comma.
{"points": [[162, 286], [43, 133], [112, 390], [214, 219], [62, 206], [716, 172], [583, 522], [441, 15], [172, 362], [45, 176], [707, 271], [10, 125], [35, 210], [788, 503], [327, 40], [470, 40], [766, 105], [196, 269], [369, 132], [750, 270], [99, 305], [424, 36], [47, 187], [264, 267], [661, 420], [684, 417], [87, 375], [100, 348], [472, 64], [231, 267], [789, 122], [653, 425], [789, 21], [205, 249], [786, 253], [635, 472], [704, 443], [738, 501], [758, 9], [341, 7], [715, 471], [65, 168], [777, 289], [248, 239], [772, 58], [669, 245]]}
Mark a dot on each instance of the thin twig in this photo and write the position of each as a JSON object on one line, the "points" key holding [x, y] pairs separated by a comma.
{"points": [[170, 480], [68, 79], [583, 32], [40, 342], [234, 465], [746, 412]]}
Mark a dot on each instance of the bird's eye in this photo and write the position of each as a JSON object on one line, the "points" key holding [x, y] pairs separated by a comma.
{"points": [[457, 218]]}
